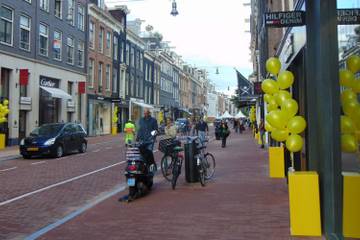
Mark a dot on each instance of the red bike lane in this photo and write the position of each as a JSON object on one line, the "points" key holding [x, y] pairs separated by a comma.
{"points": [[240, 202]]}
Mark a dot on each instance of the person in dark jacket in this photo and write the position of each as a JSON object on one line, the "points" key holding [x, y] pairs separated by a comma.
{"points": [[224, 133], [147, 124]]}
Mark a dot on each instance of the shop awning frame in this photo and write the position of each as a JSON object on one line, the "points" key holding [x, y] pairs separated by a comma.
{"points": [[57, 93], [141, 104]]}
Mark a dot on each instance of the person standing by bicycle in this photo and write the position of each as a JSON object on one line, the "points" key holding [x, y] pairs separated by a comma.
{"points": [[170, 129], [147, 124], [202, 129], [224, 132]]}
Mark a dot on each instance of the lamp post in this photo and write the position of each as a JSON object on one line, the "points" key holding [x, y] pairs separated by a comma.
{"points": [[174, 10]]}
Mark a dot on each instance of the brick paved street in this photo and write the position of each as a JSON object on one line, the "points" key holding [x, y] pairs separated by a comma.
{"points": [[241, 202]]}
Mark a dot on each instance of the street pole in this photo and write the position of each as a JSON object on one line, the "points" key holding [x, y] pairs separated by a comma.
{"points": [[323, 110]]}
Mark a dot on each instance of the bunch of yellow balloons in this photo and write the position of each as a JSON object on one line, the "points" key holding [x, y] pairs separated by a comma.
{"points": [[281, 119], [252, 114], [114, 117], [350, 122], [4, 111]]}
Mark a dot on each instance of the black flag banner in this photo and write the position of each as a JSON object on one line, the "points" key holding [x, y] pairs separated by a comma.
{"points": [[245, 87]]}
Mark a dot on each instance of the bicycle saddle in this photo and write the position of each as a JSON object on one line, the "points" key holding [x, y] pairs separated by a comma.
{"points": [[178, 149]]}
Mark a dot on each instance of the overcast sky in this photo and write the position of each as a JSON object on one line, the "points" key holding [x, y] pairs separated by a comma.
{"points": [[206, 33]]}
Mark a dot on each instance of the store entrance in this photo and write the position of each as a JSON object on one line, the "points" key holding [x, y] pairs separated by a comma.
{"points": [[48, 109]]}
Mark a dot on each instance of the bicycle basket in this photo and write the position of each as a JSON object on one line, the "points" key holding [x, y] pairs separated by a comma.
{"points": [[166, 145]]}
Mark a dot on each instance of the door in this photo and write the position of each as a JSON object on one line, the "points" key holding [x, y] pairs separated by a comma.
{"points": [[22, 124]]}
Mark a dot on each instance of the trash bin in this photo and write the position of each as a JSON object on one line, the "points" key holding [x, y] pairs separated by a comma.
{"points": [[191, 172]]}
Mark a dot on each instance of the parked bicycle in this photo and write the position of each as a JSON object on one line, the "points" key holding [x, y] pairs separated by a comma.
{"points": [[172, 160], [205, 162]]}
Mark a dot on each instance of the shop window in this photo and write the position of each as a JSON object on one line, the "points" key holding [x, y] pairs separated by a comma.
{"points": [[6, 25], [44, 39], [25, 26], [58, 8], [57, 45]]}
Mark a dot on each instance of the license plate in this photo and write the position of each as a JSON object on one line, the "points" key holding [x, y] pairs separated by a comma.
{"points": [[33, 149], [131, 182]]}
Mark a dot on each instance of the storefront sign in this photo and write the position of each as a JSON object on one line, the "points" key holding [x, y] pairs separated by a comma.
{"points": [[284, 19], [24, 77], [49, 82], [100, 98], [117, 100], [348, 16]]}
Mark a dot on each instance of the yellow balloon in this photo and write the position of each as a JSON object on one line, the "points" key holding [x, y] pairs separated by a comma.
{"points": [[2, 119], [350, 106], [346, 78], [348, 143], [290, 107], [285, 79], [277, 118], [348, 95], [294, 143], [358, 136], [6, 102], [280, 135], [269, 86], [347, 125], [296, 125], [355, 117], [268, 127], [353, 63], [271, 107], [267, 97], [281, 96], [273, 65], [356, 86]]}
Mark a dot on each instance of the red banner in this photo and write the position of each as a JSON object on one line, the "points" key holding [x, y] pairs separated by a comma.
{"points": [[81, 86], [24, 77]]}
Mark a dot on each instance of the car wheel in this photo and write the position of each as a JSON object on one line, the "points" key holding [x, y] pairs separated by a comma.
{"points": [[59, 151], [26, 156], [83, 147]]}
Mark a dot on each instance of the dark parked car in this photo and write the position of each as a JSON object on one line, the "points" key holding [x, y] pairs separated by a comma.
{"points": [[54, 139]]}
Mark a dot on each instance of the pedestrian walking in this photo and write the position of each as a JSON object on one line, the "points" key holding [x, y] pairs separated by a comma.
{"points": [[129, 130], [202, 129], [224, 133]]}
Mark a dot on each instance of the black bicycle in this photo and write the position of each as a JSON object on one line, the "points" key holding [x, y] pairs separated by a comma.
{"points": [[205, 163]]}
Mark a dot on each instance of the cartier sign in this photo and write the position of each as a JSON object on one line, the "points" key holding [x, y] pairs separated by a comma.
{"points": [[49, 82]]}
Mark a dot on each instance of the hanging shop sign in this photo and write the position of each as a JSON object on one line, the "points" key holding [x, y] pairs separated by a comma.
{"points": [[348, 16], [284, 19], [49, 82]]}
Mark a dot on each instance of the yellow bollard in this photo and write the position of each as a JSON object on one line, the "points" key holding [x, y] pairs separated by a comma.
{"points": [[2, 141], [114, 130], [304, 204], [276, 162], [351, 206]]}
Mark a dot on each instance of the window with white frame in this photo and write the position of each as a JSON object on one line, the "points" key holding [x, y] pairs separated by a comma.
{"points": [[91, 34], [57, 45], [58, 8], [25, 26], [100, 71], [116, 48], [101, 40], [71, 12], [141, 61], [81, 55], [81, 17], [107, 75], [132, 57], [70, 50], [127, 54], [44, 5], [114, 80], [108, 43], [6, 25], [91, 72], [44, 39]]}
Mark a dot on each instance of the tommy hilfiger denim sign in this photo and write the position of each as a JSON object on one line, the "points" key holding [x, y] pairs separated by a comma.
{"points": [[348, 16], [284, 19]]}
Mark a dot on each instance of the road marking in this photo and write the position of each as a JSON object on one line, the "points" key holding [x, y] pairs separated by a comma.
{"points": [[108, 148], [97, 150], [58, 184], [74, 214], [36, 163], [7, 169]]}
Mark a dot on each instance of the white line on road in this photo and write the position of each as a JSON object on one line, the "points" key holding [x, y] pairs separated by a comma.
{"points": [[108, 148], [7, 169], [97, 150], [58, 184], [36, 163]]}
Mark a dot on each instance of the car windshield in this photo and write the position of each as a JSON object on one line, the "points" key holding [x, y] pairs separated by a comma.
{"points": [[47, 130]]}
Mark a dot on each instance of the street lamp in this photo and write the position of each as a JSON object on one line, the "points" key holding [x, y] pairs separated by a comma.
{"points": [[174, 11]]}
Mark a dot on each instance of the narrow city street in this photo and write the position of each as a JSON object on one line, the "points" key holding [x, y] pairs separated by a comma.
{"points": [[76, 197]]}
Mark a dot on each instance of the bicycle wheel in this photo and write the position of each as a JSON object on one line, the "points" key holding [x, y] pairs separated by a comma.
{"points": [[202, 172], [209, 160], [166, 167], [175, 172]]}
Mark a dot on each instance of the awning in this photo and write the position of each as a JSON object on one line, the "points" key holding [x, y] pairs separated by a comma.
{"points": [[57, 93], [141, 104]]}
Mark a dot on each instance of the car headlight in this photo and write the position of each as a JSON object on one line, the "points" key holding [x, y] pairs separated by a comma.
{"points": [[49, 142], [22, 142]]}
